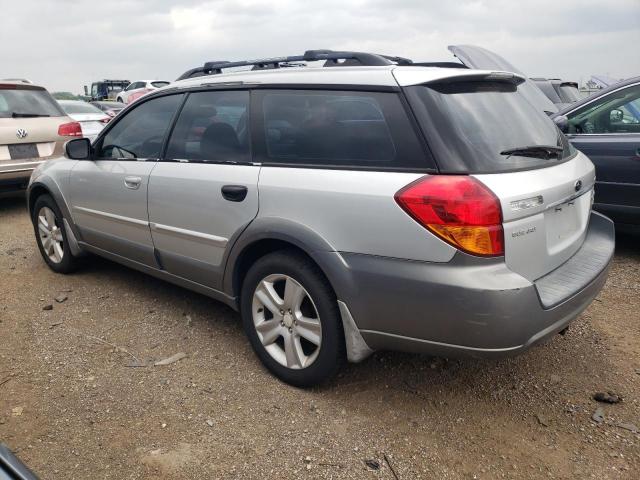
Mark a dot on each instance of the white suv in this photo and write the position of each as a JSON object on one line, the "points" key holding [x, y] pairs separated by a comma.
{"points": [[139, 88]]}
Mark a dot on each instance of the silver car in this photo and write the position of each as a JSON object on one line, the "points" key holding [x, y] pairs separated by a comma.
{"points": [[367, 206]]}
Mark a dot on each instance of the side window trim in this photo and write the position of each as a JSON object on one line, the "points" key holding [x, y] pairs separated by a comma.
{"points": [[97, 145]]}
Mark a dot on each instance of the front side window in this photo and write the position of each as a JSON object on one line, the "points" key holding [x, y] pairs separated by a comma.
{"points": [[618, 112], [368, 129], [212, 127], [139, 134]]}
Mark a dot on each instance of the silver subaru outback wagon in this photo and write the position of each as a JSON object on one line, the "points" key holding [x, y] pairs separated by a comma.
{"points": [[369, 204]]}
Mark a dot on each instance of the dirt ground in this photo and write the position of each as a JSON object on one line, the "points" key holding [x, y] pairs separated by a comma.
{"points": [[72, 408]]}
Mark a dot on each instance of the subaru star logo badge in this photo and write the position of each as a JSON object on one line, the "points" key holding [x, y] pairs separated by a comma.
{"points": [[21, 133], [578, 185]]}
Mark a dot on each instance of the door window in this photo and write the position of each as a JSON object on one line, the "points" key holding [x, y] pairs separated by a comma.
{"points": [[618, 112], [140, 133], [212, 127]]}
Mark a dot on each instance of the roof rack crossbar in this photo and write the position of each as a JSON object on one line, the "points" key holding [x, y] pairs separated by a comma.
{"points": [[330, 57]]}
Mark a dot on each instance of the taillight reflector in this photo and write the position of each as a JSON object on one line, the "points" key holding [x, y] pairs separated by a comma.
{"points": [[459, 209], [72, 129]]}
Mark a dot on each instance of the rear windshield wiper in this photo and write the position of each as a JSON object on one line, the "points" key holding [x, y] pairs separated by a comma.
{"points": [[26, 115], [537, 151]]}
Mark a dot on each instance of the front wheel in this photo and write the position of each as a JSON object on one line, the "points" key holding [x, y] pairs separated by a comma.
{"points": [[291, 317], [51, 236]]}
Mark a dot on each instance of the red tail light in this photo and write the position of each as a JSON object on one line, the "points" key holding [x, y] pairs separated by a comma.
{"points": [[459, 209], [71, 129]]}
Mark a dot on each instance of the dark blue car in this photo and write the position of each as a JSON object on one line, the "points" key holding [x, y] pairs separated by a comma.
{"points": [[606, 127]]}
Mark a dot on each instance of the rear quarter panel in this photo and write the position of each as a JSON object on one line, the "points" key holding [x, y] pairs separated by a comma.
{"points": [[352, 211]]}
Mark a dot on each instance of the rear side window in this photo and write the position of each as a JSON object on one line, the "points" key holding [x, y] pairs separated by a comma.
{"points": [[27, 103], [486, 127], [212, 127], [367, 129], [139, 134]]}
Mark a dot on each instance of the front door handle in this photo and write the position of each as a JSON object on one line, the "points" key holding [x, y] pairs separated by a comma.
{"points": [[234, 193], [132, 182]]}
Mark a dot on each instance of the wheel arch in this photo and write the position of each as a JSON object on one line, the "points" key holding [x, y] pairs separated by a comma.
{"points": [[47, 186], [266, 235]]}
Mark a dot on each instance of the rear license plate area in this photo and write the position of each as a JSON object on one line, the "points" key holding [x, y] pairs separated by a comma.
{"points": [[563, 221], [23, 151]]}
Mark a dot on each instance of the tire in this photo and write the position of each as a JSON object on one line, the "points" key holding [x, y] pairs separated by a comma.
{"points": [[45, 206], [296, 332]]}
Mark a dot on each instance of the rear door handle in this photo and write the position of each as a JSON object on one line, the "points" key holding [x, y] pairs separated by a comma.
{"points": [[234, 193], [132, 182]]}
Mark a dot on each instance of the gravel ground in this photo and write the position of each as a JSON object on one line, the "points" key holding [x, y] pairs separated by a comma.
{"points": [[72, 406]]}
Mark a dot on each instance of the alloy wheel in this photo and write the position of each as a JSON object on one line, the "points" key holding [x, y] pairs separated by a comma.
{"points": [[50, 234], [287, 321]]}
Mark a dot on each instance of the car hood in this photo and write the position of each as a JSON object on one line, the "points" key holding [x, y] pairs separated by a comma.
{"points": [[483, 59]]}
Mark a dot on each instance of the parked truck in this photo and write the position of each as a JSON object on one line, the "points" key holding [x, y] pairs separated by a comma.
{"points": [[105, 89]]}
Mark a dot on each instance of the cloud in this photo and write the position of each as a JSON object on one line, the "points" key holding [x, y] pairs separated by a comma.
{"points": [[67, 44]]}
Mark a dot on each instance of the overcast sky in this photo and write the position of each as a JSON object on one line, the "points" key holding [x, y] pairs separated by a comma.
{"points": [[65, 44]]}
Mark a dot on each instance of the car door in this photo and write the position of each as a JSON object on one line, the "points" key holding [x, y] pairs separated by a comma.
{"points": [[607, 130], [205, 191], [108, 194]]}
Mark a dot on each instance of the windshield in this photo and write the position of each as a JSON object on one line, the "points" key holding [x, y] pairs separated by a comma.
{"points": [[486, 127], [27, 102], [159, 84], [79, 107]]}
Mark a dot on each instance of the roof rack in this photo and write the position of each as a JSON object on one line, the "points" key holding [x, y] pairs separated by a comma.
{"points": [[330, 57]]}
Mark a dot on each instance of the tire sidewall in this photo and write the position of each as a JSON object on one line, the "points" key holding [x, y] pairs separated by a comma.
{"points": [[304, 272]]}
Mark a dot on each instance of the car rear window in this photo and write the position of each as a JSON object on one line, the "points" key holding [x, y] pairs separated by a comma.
{"points": [[79, 107], [343, 129], [159, 84], [470, 125], [27, 102]]}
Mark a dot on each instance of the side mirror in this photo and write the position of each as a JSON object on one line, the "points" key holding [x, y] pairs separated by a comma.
{"points": [[616, 116], [86, 91], [78, 149], [562, 123]]}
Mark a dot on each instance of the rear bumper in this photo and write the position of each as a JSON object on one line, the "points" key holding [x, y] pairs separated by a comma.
{"points": [[470, 306], [15, 175]]}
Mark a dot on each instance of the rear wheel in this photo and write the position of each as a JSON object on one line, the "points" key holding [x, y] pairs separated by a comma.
{"points": [[51, 236], [291, 317]]}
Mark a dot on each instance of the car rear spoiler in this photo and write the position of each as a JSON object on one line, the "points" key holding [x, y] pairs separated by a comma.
{"points": [[411, 77]]}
